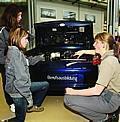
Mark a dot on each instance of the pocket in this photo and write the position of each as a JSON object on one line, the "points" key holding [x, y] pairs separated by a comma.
{"points": [[107, 96]]}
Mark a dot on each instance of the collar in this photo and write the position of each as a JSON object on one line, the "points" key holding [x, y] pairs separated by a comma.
{"points": [[108, 53]]}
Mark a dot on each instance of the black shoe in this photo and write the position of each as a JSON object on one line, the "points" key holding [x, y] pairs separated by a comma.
{"points": [[113, 117], [12, 120], [9, 120]]}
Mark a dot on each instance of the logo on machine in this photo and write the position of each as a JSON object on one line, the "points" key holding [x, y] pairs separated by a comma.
{"points": [[70, 78]]}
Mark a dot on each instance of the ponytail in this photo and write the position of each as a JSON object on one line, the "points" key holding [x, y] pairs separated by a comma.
{"points": [[116, 47]]}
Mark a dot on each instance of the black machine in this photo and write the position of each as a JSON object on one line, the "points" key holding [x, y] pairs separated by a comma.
{"points": [[58, 41]]}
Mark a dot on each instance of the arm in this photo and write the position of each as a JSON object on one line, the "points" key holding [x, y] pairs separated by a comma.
{"points": [[3, 44], [35, 59], [2, 50], [106, 72], [81, 52], [97, 90]]}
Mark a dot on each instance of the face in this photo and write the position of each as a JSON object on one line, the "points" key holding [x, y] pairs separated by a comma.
{"points": [[99, 46], [19, 17], [24, 42]]}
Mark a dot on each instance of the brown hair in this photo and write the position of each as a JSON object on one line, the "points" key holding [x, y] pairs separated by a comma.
{"points": [[9, 17], [16, 35], [109, 41]]}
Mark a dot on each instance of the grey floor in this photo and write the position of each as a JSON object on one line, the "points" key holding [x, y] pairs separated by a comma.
{"points": [[54, 112]]}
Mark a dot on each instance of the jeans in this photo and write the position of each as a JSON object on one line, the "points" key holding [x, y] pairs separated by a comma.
{"points": [[20, 109], [39, 90]]}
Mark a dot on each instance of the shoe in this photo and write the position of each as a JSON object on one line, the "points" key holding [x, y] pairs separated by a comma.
{"points": [[113, 117], [9, 120], [12, 120], [12, 108], [35, 109]]}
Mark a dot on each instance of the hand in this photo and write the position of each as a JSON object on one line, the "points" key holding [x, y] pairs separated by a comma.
{"points": [[30, 104], [41, 57], [69, 91], [79, 53]]}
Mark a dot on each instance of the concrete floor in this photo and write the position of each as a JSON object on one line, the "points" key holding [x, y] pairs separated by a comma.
{"points": [[54, 112]]}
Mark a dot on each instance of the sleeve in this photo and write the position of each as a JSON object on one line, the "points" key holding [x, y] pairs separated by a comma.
{"points": [[106, 71], [22, 83], [2, 57], [35, 59], [3, 48]]}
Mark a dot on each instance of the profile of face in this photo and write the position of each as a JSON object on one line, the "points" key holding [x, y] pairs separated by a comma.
{"points": [[19, 17], [99, 46], [23, 42]]}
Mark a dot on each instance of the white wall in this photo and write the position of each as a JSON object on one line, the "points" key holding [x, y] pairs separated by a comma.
{"points": [[60, 8], [99, 18]]}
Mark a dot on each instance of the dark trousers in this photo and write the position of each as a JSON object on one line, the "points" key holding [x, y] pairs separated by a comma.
{"points": [[7, 96], [20, 109], [39, 90]]}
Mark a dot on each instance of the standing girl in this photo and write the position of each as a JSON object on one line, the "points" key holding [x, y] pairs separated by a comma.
{"points": [[11, 18], [27, 96]]}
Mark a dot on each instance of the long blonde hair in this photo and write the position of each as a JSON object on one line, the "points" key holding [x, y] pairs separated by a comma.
{"points": [[16, 35]]}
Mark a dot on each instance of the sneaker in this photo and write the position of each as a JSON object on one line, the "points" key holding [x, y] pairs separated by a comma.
{"points": [[35, 109], [114, 117], [11, 120], [12, 108]]}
